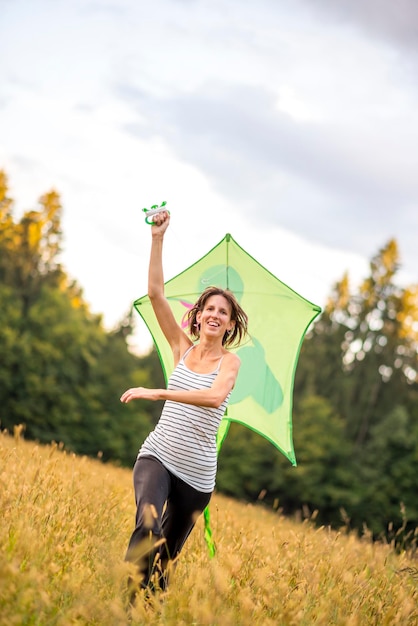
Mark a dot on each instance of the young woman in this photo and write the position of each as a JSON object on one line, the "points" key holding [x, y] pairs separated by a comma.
{"points": [[174, 474]]}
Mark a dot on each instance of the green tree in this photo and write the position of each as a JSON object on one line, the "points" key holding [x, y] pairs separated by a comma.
{"points": [[362, 357], [30, 247], [355, 412], [367, 345], [61, 374], [249, 465], [388, 478]]}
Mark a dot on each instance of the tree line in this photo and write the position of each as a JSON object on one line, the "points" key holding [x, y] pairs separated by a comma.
{"points": [[61, 373], [355, 415]]}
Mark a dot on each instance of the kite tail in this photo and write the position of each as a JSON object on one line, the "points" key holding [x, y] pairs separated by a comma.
{"points": [[208, 533], [222, 432]]}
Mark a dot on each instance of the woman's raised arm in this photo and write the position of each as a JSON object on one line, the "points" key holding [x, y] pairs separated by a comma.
{"points": [[175, 336]]}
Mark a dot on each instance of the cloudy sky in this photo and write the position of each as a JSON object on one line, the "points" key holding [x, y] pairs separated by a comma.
{"points": [[291, 124]]}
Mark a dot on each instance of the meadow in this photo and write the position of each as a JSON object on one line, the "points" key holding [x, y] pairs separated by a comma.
{"points": [[66, 521]]}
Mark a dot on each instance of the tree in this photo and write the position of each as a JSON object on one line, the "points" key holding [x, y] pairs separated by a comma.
{"points": [[61, 374], [30, 247], [367, 345], [362, 357], [388, 478], [249, 465], [355, 412]]}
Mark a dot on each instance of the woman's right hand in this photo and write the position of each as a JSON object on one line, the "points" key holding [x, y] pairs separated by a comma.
{"points": [[140, 393], [160, 223]]}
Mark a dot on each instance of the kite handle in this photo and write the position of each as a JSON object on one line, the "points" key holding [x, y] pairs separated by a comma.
{"points": [[154, 210]]}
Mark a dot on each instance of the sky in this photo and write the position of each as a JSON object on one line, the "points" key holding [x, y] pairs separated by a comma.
{"points": [[291, 124]]}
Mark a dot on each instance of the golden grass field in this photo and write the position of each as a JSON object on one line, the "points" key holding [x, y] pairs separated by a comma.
{"points": [[66, 520]]}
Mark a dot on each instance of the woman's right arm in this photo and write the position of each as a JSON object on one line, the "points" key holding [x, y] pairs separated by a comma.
{"points": [[175, 336]]}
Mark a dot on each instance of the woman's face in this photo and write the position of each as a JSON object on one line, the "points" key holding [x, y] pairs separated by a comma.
{"points": [[215, 318]]}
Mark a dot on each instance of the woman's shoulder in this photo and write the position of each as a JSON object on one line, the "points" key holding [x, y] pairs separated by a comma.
{"points": [[231, 357]]}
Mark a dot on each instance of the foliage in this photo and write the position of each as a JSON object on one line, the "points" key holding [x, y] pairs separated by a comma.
{"points": [[320, 482], [67, 520], [61, 374], [362, 357], [355, 414], [30, 247]]}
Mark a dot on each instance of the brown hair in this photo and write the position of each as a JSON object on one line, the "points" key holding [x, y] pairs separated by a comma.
{"points": [[238, 316]]}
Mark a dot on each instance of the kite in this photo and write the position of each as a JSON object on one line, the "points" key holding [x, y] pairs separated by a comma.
{"points": [[278, 320]]}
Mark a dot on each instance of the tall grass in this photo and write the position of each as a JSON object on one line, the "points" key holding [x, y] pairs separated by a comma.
{"points": [[66, 520]]}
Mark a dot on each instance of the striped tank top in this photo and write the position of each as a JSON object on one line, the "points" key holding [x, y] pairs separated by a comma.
{"points": [[184, 439]]}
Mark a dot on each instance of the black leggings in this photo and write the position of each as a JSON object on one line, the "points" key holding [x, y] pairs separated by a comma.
{"points": [[166, 511]]}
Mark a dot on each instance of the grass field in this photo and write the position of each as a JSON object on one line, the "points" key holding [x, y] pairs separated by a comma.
{"points": [[66, 521]]}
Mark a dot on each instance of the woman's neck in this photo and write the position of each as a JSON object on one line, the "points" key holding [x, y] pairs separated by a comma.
{"points": [[209, 349]]}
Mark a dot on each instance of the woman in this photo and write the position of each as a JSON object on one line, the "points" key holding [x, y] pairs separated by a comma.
{"points": [[174, 474]]}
